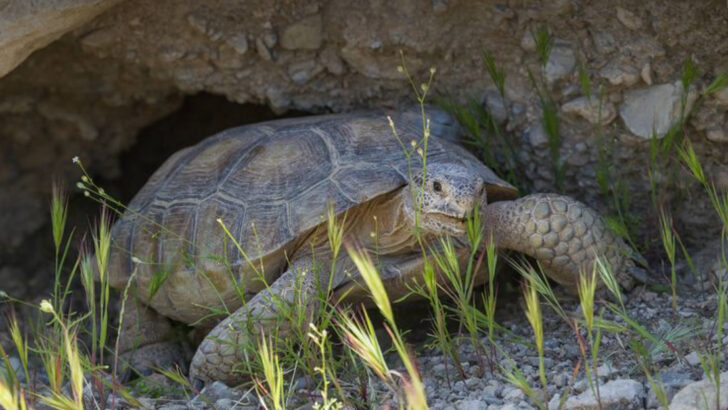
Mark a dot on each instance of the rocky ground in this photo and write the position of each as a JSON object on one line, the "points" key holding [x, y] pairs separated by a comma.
{"points": [[623, 384]]}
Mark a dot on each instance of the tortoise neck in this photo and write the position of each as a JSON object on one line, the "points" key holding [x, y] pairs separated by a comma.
{"points": [[385, 224]]}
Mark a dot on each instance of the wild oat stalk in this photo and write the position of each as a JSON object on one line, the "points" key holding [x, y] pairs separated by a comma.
{"points": [[73, 356], [533, 314], [490, 301], [587, 288], [272, 384], [669, 243], [414, 388]]}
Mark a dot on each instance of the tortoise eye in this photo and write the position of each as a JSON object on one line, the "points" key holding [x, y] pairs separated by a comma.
{"points": [[437, 186]]}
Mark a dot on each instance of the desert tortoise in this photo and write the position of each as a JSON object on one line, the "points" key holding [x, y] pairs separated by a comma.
{"points": [[270, 184]]}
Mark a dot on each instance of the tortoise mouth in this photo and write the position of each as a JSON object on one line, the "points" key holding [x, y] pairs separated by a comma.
{"points": [[455, 222]]}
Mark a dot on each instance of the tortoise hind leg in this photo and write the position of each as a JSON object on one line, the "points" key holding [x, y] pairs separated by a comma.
{"points": [[225, 349], [147, 342]]}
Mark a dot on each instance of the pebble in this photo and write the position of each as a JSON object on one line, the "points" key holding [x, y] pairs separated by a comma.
{"points": [[696, 394], [693, 359], [653, 108], [560, 64], [624, 394], [620, 74], [591, 110], [629, 19], [305, 34]]}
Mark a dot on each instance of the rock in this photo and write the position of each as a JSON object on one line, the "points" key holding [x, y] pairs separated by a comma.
{"points": [[496, 106], [672, 382], [262, 49], [629, 19], [375, 65], [302, 71], [216, 392], [655, 108], [470, 405], [29, 25], [560, 64], [537, 136], [646, 73], [717, 133], [238, 42], [702, 394], [620, 74], [722, 97], [622, 394], [693, 359], [305, 34], [591, 110]]}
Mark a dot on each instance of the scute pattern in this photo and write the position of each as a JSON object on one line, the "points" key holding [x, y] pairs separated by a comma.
{"points": [[563, 231]]}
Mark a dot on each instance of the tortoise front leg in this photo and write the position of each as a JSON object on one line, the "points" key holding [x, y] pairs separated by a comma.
{"points": [[564, 235], [225, 347], [147, 341]]}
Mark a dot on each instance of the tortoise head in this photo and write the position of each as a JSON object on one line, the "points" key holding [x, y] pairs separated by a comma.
{"points": [[445, 198]]}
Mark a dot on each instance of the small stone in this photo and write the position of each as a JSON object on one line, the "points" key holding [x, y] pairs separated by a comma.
{"points": [[513, 394], [496, 106], [332, 61], [306, 34], [629, 19], [695, 395], [624, 394], [169, 54], [693, 358], [655, 108], [263, 50], [98, 38], [303, 71], [561, 63], [439, 6], [722, 97], [591, 110], [537, 136], [646, 74], [238, 42], [470, 405], [717, 133], [620, 74], [528, 43]]}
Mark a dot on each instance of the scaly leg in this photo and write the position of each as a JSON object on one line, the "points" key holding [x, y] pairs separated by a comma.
{"points": [[147, 341], [223, 350], [564, 235]]}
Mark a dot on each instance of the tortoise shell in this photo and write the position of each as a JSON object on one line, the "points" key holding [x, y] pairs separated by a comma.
{"points": [[269, 184]]}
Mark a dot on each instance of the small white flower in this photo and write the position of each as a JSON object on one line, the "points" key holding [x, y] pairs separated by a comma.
{"points": [[400, 69], [420, 152], [86, 194], [45, 306], [391, 122], [433, 70], [413, 143], [80, 185], [75, 159], [372, 234], [84, 178], [3, 294], [136, 260], [102, 192], [424, 86]]}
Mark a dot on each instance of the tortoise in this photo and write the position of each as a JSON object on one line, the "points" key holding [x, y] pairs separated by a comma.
{"points": [[269, 185]]}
